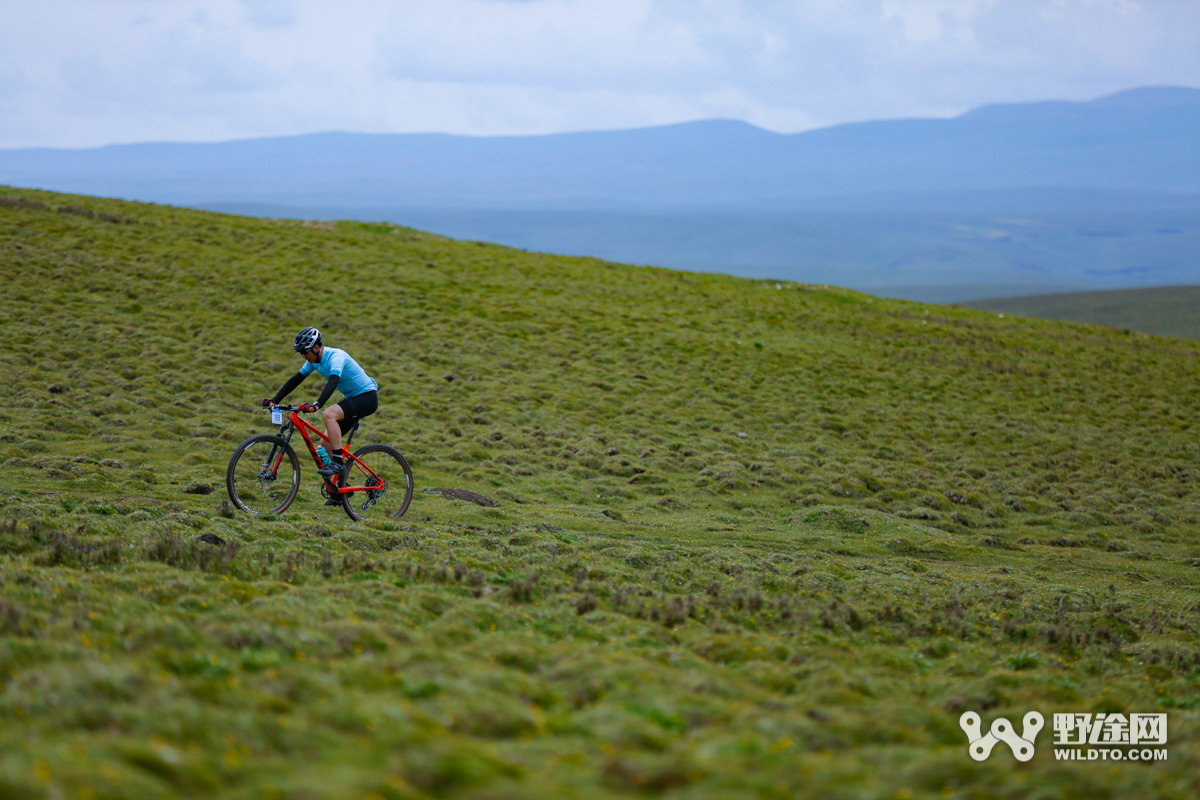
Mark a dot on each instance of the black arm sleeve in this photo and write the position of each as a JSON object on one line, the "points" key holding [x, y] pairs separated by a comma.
{"points": [[327, 392], [287, 388]]}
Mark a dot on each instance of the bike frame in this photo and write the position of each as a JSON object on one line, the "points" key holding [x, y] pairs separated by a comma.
{"points": [[296, 422]]}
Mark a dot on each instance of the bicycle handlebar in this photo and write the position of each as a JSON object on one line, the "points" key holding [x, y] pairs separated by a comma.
{"points": [[281, 407]]}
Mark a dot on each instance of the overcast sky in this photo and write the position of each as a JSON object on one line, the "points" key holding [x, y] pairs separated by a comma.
{"points": [[79, 73]]}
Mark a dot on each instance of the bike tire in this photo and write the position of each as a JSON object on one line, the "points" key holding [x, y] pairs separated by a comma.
{"points": [[387, 462], [243, 479]]}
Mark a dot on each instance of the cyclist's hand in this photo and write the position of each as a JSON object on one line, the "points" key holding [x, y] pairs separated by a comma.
{"points": [[308, 407], [266, 403]]}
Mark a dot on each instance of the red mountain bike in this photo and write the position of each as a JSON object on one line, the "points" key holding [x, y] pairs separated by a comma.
{"points": [[264, 473]]}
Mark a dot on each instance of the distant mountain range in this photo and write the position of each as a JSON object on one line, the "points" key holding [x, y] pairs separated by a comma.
{"points": [[1144, 140], [899, 203]]}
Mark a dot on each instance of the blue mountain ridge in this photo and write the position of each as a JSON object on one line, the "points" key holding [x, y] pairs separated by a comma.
{"points": [[1140, 141]]}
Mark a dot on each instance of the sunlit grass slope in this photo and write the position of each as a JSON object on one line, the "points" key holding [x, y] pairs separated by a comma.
{"points": [[1163, 310], [753, 539]]}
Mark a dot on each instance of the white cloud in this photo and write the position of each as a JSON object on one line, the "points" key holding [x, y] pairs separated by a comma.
{"points": [[559, 44], [87, 72], [271, 13], [928, 21]]}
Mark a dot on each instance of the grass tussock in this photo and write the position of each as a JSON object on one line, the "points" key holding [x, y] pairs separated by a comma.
{"points": [[746, 538]]}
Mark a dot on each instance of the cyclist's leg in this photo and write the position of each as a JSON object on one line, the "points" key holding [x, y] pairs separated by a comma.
{"points": [[334, 417], [340, 418], [357, 407], [333, 429]]}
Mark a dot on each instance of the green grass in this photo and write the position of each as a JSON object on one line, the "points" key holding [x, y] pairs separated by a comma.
{"points": [[754, 539], [1164, 311]]}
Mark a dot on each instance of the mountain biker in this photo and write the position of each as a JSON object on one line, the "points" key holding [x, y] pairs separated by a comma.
{"points": [[359, 393]]}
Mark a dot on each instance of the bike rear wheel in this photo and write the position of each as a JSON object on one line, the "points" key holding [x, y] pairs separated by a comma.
{"points": [[391, 500], [263, 475]]}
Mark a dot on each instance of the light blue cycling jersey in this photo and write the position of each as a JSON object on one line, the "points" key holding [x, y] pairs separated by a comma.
{"points": [[353, 379]]}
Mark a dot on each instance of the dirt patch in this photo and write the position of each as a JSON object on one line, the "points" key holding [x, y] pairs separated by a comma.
{"points": [[137, 499], [464, 494]]}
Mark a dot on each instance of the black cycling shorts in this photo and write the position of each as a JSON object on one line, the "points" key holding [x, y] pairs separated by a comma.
{"points": [[357, 407]]}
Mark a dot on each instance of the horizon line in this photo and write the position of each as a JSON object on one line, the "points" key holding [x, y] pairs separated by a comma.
{"points": [[595, 131]]}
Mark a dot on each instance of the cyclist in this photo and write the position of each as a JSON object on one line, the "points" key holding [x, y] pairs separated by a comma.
{"points": [[359, 394]]}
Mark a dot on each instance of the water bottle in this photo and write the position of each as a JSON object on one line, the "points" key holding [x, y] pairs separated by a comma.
{"points": [[325, 462]]}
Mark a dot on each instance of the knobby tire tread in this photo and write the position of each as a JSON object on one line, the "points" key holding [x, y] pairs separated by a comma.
{"points": [[347, 499], [291, 458]]}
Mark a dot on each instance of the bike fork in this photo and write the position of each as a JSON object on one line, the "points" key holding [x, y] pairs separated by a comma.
{"points": [[270, 467], [270, 470]]}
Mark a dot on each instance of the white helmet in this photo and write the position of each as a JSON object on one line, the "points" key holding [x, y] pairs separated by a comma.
{"points": [[306, 340]]}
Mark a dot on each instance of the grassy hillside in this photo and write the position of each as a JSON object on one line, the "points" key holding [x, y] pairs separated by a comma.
{"points": [[932, 248], [1165, 310], [753, 539]]}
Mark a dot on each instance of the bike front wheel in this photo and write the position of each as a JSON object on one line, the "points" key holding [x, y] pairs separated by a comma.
{"points": [[389, 483], [263, 475]]}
